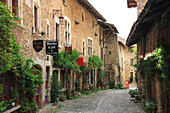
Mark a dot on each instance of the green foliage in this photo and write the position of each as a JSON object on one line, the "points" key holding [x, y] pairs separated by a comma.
{"points": [[91, 87], [68, 94], [84, 69], [151, 107], [66, 61], [95, 62], [133, 92], [56, 87], [156, 63], [111, 84], [2, 107], [95, 90], [77, 84], [11, 59]]}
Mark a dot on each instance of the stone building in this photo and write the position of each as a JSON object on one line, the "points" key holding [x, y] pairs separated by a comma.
{"points": [[126, 61], [150, 30], [80, 30], [110, 52], [72, 23]]}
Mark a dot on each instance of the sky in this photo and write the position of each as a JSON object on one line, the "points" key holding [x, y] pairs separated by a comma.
{"points": [[117, 13]]}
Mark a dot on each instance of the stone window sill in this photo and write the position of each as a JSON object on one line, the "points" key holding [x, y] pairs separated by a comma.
{"points": [[37, 35]]}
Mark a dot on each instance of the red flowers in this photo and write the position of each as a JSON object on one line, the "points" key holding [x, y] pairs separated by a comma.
{"points": [[0, 100]]}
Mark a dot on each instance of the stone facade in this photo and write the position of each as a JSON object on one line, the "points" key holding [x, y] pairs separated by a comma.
{"points": [[80, 23], [126, 61]]}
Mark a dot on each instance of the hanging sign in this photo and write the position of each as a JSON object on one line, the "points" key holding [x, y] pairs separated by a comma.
{"points": [[80, 61], [51, 48], [69, 49], [38, 45]]}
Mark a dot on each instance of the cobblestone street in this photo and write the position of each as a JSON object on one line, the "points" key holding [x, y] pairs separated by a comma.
{"points": [[105, 101]]}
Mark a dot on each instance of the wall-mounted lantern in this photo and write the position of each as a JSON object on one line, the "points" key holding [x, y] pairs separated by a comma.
{"points": [[60, 17]]}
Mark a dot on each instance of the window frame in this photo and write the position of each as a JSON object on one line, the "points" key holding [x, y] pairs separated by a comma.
{"points": [[36, 16], [131, 62], [83, 48], [67, 32], [90, 46], [48, 31], [6, 77]]}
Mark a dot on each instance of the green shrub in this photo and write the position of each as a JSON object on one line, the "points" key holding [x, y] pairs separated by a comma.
{"points": [[151, 107], [56, 87], [111, 84], [133, 92]]}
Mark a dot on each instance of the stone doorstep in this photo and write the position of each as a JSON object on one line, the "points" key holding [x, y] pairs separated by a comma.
{"points": [[49, 105], [13, 109]]}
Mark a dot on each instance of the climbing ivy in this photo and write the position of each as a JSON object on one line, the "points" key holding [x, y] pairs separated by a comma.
{"points": [[66, 61], [156, 63], [95, 62], [11, 59]]}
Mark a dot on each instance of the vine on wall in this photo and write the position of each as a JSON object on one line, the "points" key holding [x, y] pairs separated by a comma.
{"points": [[156, 63], [11, 59]]}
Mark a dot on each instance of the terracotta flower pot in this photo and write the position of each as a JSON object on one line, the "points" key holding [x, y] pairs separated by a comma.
{"points": [[16, 103], [17, 22]]}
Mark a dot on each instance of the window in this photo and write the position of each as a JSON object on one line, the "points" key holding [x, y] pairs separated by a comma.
{"points": [[82, 17], [48, 31], [35, 17], [131, 62], [83, 49], [93, 24], [101, 56], [67, 33], [7, 83], [57, 32], [14, 7], [89, 47], [122, 64]]}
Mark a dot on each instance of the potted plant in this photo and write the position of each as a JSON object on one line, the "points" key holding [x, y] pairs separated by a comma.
{"points": [[133, 93], [36, 30], [151, 107], [62, 98]]}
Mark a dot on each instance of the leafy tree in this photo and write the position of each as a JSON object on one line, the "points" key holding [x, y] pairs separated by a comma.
{"points": [[95, 62]]}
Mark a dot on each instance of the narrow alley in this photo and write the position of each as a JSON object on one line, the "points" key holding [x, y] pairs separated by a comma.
{"points": [[104, 101], [84, 56]]}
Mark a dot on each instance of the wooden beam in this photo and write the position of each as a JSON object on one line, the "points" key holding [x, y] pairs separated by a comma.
{"points": [[106, 36]]}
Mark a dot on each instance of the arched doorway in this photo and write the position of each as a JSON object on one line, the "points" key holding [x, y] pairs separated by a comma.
{"points": [[37, 96]]}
